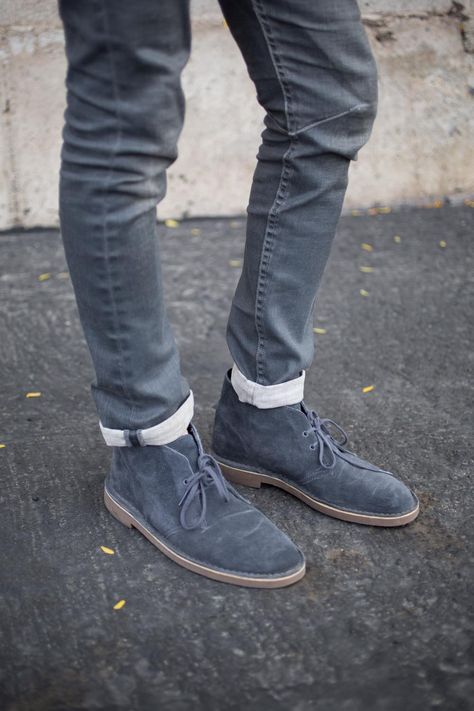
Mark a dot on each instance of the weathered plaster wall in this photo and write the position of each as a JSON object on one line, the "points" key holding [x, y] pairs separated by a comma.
{"points": [[422, 146]]}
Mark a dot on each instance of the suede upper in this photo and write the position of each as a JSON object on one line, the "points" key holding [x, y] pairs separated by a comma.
{"points": [[288, 442], [150, 482]]}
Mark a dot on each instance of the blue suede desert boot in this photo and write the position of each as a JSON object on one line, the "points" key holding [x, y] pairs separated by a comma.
{"points": [[291, 447], [176, 496]]}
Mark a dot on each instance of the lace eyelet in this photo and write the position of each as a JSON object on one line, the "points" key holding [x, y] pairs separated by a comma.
{"points": [[305, 433], [185, 481], [312, 447]]}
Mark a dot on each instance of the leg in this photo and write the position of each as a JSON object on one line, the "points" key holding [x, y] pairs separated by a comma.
{"points": [[315, 76], [124, 114]]}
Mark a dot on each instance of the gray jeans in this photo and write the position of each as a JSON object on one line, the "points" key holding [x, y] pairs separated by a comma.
{"points": [[314, 75]]}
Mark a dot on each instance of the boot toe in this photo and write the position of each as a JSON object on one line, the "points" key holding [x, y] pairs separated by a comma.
{"points": [[245, 544], [266, 550], [380, 494], [393, 498], [364, 492]]}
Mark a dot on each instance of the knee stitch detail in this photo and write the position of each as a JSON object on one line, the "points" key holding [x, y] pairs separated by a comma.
{"points": [[343, 134], [367, 110]]}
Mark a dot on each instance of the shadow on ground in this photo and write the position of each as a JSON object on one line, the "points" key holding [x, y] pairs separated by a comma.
{"points": [[383, 619]]}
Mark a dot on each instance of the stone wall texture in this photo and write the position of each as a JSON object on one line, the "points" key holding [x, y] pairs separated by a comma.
{"points": [[422, 148]]}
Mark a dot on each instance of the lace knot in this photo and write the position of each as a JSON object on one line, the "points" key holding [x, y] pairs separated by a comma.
{"points": [[208, 474], [326, 441]]}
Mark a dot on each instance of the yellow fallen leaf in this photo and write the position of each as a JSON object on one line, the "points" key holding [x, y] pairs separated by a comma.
{"points": [[397, 239], [379, 210], [224, 22], [366, 270], [109, 551], [171, 223], [438, 203], [44, 277], [195, 231], [2, 446], [368, 388], [442, 243], [363, 292], [367, 247], [319, 330], [356, 213], [118, 605], [33, 394], [469, 203], [235, 262]]}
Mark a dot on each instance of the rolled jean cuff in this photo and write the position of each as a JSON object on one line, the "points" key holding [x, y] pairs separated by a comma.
{"points": [[167, 431], [267, 396]]}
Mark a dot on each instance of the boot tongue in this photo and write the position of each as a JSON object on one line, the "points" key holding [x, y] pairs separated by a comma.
{"points": [[187, 445]]}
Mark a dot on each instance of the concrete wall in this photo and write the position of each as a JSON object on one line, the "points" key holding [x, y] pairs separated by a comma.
{"points": [[422, 147]]}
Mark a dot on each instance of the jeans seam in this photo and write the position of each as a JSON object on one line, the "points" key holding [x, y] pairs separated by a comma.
{"points": [[268, 241], [107, 182], [276, 61], [333, 117], [267, 251]]}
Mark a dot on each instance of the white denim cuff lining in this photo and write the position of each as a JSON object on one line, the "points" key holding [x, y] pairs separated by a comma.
{"points": [[167, 431], [267, 396]]}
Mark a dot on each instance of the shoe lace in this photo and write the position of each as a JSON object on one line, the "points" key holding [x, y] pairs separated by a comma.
{"points": [[327, 442], [207, 474]]}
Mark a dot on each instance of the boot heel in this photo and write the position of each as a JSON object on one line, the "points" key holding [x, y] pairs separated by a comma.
{"points": [[240, 476], [117, 511]]}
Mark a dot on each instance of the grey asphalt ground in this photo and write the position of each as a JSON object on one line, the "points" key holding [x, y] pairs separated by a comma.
{"points": [[383, 619]]}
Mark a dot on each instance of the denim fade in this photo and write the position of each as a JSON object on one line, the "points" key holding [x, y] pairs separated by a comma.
{"points": [[315, 76]]}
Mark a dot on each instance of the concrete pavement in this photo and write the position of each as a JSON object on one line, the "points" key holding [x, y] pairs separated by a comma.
{"points": [[383, 619]]}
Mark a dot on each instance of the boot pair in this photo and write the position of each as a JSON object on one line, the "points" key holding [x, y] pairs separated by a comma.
{"points": [[177, 496]]}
